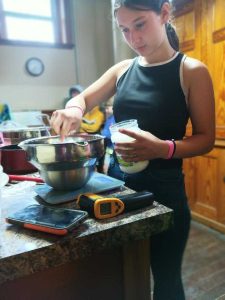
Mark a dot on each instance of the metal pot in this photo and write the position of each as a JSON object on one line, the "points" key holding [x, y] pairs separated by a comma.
{"points": [[14, 160], [17, 135]]}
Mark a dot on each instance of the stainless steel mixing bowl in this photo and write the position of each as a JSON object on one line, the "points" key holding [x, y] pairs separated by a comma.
{"points": [[17, 135], [66, 165]]}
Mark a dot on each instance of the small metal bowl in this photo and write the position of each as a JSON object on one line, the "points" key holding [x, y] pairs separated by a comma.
{"points": [[17, 135], [66, 165]]}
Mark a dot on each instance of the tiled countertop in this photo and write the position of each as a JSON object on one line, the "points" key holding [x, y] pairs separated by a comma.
{"points": [[24, 252]]}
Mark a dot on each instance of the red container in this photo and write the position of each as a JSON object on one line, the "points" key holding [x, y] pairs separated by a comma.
{"points": [[14, 160]]}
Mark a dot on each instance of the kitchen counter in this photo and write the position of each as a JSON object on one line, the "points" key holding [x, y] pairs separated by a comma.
{"points": [[100, 256]]}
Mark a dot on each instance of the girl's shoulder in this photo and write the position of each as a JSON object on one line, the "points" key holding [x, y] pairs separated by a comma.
{"points": [[123, 66], [196, 77], [193, 71], [192, 64]]}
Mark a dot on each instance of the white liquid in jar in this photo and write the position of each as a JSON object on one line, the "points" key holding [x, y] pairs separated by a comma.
{"points": [[128, 167]]}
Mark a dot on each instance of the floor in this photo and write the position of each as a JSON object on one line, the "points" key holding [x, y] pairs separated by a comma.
{"points": [[204, 264]]}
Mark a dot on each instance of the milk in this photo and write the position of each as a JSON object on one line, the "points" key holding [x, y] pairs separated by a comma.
{"points": [[118, 137]]}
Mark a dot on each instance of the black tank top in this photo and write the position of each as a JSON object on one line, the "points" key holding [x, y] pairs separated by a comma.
{"points": [[153, 95]]}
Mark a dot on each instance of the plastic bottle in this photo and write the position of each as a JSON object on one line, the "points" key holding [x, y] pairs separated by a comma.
{"points": [[116, 136]]}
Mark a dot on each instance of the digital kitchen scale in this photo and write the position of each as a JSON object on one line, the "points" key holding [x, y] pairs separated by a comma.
{"points": [[97, 183]]}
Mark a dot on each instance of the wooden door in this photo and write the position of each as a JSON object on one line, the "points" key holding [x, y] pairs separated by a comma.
{"points": [[200, 26]]}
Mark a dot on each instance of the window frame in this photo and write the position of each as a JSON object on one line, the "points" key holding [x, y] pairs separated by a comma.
{"points": [[62, 29]]}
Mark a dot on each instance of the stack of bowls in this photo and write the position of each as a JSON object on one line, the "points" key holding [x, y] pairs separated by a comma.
{"points": [[68, 164]]}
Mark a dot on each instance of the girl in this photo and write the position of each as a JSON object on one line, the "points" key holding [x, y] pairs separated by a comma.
{"points": [[161, 88]]}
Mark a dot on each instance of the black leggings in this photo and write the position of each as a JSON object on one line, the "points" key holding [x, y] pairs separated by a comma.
{"points": [[167, 248]]}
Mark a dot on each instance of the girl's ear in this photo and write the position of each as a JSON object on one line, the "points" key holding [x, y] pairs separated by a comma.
{"points": [[165, 12]]}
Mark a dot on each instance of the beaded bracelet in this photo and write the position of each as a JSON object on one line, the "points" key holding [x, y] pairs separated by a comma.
{"points": [[172, 148]]}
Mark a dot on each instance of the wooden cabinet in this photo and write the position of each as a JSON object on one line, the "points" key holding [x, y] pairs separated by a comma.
{"points": [[205, 185], [200, 26]]}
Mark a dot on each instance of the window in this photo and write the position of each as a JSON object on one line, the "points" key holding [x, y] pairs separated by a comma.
{"points": [[39, 22]]}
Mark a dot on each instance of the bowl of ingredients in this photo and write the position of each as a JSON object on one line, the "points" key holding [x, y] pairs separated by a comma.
{"points": [[67, 164]]}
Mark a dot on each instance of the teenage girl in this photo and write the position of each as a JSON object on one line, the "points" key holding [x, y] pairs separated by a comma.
{"points": [[161, 88]]}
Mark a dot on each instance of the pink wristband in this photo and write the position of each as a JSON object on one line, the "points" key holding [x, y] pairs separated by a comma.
{"points": [[171, 149], [81, 109]]}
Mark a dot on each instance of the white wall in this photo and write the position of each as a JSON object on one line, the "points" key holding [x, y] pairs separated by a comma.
{"points": [[22, 91], [92, 55], [120, 49], [93, 38]]}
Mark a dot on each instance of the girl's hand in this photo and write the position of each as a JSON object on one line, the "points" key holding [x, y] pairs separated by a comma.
{"points": [[63, 121], [146, 146]]}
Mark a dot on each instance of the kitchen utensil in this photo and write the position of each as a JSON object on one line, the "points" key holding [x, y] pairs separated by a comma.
{"points": [[100, 207], [66, 165], [25, 178], [103, 207], [17, 135], [98, 183]]}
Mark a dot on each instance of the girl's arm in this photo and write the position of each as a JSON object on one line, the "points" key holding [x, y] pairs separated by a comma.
{"points": [[65, 120], [201, 106]]}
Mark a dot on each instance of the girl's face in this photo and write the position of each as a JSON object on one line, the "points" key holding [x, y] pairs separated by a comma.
{"points": [[143, 30]]}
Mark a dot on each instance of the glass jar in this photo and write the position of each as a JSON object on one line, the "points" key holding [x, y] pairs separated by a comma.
{"points": [[118, 137]]}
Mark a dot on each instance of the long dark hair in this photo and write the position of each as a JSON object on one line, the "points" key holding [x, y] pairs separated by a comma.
{"points": [[154, 5]]}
